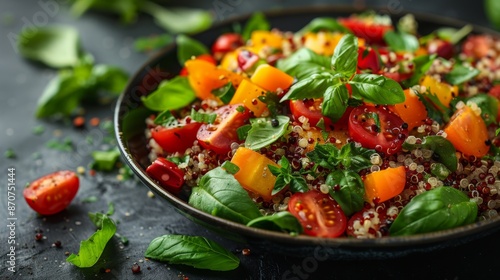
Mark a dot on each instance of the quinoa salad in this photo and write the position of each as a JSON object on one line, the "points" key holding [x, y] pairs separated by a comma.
{"points": [[356, 127]]}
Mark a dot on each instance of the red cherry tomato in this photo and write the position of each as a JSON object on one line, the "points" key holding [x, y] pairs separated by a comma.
{"points": [[477, 46], [440, 47], [219, 135], [371, 32], [318, 214], [398, 77], [368, 59], [227, 42], [177, 138], [205, 57], [367, 223], [377, 128], [311, 109], [167, 174], [52, 193], [247, 59]]}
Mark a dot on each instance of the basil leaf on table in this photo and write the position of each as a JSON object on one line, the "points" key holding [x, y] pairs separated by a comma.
{"points": [[179, 20], [488, 105], [257, 21], [195, 251], [460, 74], [56, 46], [219, 194], [323, 24], [444, 151], [303, 63], [92, 248], [151, 43], [345, 56], [335, 101], [281, 221], [188, 47], [105, 160], [438, 209], [312, 87], [351, 191], [263, 133], [127, 9], [110, 78], [377, 89], [170, 95], [400, 41]]}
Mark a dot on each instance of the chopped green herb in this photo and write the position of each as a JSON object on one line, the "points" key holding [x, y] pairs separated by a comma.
{"points": [[90, 199], [38, 130], [105, 160], [123, 239], [166, 118], [65, 145], [230, 167], [225, 93], [9, 153], [203, 117]]}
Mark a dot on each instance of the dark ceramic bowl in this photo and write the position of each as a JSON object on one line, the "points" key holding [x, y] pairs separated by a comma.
{"points": [[129, 125]]}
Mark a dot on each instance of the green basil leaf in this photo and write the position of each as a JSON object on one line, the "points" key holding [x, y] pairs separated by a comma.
{"points": [[281, 221], [109, 78], [444, 151], [195, 251], [105, 160], [422, 64], [170, 95], [400, 41], [312, 87], [225, 93], [188, 47], [335, 101], [460, 74], [298, 184], [285, 177], [345, 56], [435, 109], [354, 158], [347, 189], [219, 194], [488, 105], [263, 133], [323, 24], [491, 8], [303, 63], [179, 20], [438, 209], [92, 248], [324, 155], [166, 118], [127, 9], [151, 43], [55, 46], [179, 160], [203, 117], [230, 167], [272, 101], [242, 131], [454, 35], [377, 89], [258, 21]]}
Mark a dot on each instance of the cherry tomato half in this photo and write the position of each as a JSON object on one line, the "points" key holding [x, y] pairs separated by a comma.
{"points": [[366, 29], [377, 128], [441, 47], [368, 59], [205, 57], [318, 213], [477, 46], [52, 193], [177, 138], [311, 109], [367, 223], [219, 135], [167, 174], [226, 43]]}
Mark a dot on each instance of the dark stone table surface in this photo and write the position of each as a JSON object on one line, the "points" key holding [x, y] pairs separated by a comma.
{"points": [[140, 217]]}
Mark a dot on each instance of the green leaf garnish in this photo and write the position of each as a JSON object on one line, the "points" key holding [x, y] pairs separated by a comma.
{"points": [[263, 133], [170, 95], [281, 221], [257, 21]]}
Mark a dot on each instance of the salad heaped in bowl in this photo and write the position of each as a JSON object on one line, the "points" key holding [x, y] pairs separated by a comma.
{"points": [[349, 127]]}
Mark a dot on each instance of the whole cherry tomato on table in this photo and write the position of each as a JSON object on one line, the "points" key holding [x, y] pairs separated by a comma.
{"points": [[52, 193]]}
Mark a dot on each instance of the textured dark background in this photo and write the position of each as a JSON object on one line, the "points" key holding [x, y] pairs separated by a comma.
{"points": [[142, 218]]}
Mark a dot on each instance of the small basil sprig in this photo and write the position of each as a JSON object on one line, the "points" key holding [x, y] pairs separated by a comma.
{"points": [[438, 209], [444, 151], [219, 194], [351, 191], [422, 64], [263, 132], [369, 87], [195, 251], [401, 41], [281, 221], [460, 74], [285, 177], [257, 21], [170, 95], [188, 47], [323, 24]]}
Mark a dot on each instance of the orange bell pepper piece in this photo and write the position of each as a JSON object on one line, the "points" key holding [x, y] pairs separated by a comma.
{"points": [[263, 38], [205, 77], [248, 93], [254, 175], [271, 78], [412, 111], [443, 91], [384, 184], [468, 132]]}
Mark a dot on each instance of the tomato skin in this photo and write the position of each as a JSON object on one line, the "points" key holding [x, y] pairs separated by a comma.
{"points": [[388, 138], [377, 224], [441, 47], [226, 43], [310, 109], [219, 136], [477, 46], [176, 139], [368, 59], [371, 32], [53, 192], [167, 173], [205, 57], [318, 213]]}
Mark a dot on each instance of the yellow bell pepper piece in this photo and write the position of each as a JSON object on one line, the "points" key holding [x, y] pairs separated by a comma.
{"points": [[271, 78], [248, 93], [443, 91]]}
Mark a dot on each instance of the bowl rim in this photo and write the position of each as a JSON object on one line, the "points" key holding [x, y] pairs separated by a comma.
{"points": [[283, 238]]}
